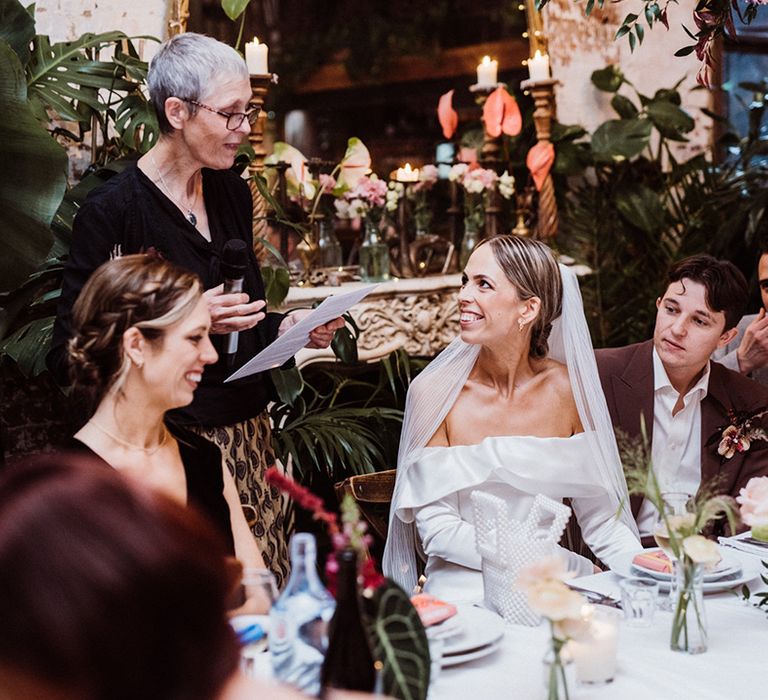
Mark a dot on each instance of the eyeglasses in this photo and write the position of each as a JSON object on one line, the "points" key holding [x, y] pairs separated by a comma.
{"points": [[234, 119]]}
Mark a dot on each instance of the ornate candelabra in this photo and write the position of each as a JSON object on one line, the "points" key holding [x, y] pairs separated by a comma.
{"points": [[259, 87], [543, 92], [177, 20], [489, 158]]}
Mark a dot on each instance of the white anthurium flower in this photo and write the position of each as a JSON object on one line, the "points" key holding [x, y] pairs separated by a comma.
{"points": [[297, 176], [355, 163], [701, 550]]}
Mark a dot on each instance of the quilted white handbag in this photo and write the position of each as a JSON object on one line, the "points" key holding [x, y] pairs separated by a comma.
{"points": [[507, 546]]}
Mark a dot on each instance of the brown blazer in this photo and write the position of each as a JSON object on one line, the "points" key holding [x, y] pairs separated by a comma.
{"points": [[627, 377]]}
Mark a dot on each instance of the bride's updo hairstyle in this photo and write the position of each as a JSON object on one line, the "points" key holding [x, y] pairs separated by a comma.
{"points": [[532, 269], [139, 291]]}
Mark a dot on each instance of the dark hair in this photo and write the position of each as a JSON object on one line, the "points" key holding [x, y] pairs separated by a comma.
{"points": [[532, 269], [725, 287], [109, 589], [135, 290]]}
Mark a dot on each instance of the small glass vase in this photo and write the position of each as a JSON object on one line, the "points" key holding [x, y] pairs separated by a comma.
{"points": [[689, 623], [559, 672], [328, 246], [374, 255], [468, 243]]}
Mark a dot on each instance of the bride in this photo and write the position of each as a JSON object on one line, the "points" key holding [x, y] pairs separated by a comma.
{"points": [[500, 412]]}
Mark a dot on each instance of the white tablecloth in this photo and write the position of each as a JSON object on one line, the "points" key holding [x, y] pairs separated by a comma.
{"points": [[734, 667]]}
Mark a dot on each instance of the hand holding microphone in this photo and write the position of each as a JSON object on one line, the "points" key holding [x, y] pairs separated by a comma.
{"points": [[229, 307]]}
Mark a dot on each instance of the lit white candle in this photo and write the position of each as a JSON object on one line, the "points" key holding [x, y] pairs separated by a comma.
{"points": [[407, 174], [487, 71], [538, 66], [256, 57], [595, 655]]}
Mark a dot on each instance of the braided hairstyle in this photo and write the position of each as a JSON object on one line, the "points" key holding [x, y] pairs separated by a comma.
{"points": [[532, 269], [138, 291]]}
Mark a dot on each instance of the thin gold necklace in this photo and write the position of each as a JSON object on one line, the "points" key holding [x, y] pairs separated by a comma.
{"points": [[149, 451], [190, 215]]}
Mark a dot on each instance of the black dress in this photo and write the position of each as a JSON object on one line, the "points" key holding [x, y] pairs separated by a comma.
{"points": [[129, 214], [204, 477]]}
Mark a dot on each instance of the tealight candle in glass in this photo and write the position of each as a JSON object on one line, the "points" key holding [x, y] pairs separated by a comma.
{"points": [[595, 652]]}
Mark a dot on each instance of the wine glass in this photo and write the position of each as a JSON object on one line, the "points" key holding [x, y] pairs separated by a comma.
{"points": [[675, 505], [251, 621], [260, 590]]}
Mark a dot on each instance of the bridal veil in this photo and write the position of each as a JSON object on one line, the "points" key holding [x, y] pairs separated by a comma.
{"points": [[435, 390]]}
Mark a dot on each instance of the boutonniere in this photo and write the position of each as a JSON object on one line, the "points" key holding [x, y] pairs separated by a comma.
{"points": [[739, 433]]}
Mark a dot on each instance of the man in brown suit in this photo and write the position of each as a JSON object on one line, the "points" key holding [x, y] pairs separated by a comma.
{"points": [[685, 399]]}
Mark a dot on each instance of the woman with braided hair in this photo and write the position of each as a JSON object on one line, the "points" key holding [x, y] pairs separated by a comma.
{"points": [[498, 411], [139, 347]]}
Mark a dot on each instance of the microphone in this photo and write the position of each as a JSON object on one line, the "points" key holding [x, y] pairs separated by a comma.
{"points": [[234, 260]]}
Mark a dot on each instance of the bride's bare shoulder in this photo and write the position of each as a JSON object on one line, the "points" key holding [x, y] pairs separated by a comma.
{"points": [[555, 375]]}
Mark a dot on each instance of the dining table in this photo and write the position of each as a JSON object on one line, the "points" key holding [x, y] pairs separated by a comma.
{"points": [[734, 666]]}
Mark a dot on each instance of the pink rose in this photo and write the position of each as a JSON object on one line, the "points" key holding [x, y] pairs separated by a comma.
{"points": [[753, 499]]}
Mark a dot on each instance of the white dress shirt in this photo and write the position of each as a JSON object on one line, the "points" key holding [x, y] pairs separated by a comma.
{"points": [[676, 448]]}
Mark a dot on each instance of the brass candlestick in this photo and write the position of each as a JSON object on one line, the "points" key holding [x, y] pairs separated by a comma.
{"points": [[259, 87], [490, 158], [543, 92], [177, 21]]}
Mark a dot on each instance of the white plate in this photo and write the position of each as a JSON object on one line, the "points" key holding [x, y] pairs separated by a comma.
{"points": [[479, 628], [624, 568], [470, 655], [728, 566], [241, 622]]}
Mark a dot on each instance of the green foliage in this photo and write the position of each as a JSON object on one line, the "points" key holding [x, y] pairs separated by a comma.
{"points": [[339, 425], [400, 643], [33, 181], [636, 209], [17, 28]]}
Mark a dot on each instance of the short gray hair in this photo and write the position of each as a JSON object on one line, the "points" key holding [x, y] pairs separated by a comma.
{"points": [[186, 66]]}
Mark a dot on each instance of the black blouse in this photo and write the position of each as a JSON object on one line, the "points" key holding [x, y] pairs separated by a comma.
{"points": [[204, 476], [129, 214]]}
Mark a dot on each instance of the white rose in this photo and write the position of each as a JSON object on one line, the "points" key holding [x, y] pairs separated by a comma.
{"points": [[701, 550], [555, 601]]}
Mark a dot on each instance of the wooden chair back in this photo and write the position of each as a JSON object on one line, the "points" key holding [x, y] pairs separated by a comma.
{"points": [[373, 495]]}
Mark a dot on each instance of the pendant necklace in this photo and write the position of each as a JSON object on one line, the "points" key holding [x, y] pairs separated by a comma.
{"points": [[190, 215], [149, 451]]}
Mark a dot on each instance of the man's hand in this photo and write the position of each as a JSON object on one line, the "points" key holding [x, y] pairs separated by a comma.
{"points": [[753, 350], [320, 337], [232, 312]]}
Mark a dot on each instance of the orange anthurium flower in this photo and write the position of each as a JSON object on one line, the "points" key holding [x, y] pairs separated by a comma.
{"points": [[493, 112], [513, 121], [446, 114], [539, 161]]}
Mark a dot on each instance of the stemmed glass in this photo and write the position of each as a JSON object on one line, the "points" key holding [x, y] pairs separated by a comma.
{"points": [[675, 505], [251, 622]]}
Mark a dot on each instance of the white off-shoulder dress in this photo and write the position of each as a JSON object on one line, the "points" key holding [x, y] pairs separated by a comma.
{"points": [[516, 468]]}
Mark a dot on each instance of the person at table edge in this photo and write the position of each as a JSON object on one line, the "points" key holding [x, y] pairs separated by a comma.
{"points": [[182, 201], [684, 398]]}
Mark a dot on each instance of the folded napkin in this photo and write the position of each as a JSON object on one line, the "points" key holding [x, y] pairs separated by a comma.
{"points": [[745, 543], [655, 560], [431, 610]]}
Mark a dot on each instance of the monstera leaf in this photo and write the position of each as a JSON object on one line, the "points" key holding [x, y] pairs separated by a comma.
{"points": [[400, 643], [620, 139], [33, 176]]}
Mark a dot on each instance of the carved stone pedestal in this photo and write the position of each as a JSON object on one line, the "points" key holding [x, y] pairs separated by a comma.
{"points": [[418, 314]]}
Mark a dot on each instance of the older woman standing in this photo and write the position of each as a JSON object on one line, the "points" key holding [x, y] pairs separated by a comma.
{"points": [[182, 200]]}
